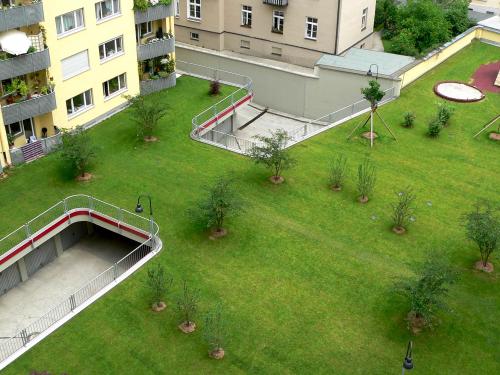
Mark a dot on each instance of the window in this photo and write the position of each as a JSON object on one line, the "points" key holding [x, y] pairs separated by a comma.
{"points": [[194, 9], [114, 85], [22, 127], [111, 48], [70, 22], [76, 64], [106, 8], [364, 19], [79, 103], [311, 28], [246, 16], [144, 28], [194, 36], [245, 44], [278, 21], [276, 51], [177, 8]]}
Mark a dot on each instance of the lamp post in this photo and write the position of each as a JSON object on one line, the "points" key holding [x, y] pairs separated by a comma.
{"points": [[139, 209], [370, 72], [408, 361]]}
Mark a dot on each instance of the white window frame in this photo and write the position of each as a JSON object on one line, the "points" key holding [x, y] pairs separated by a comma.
{"points": [[114, 12], [177, 8], [86, 106], [191, 36], [246, 15], [70, 31], [196, 7], [364, 19], [120, 87], [312, 28], [279, 19], [78, 72], [114, 55], [149, 29]]}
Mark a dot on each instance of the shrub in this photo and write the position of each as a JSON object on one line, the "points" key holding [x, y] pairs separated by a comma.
{"points": [[403, 210], [272, 153], [221, 202], [435, 127], [445, 111], [338, 172], [404, 44], [409, 119], [482, 226], [188, 305], [215, 331], [366, 180], [214, 88], [141, 5], [158, 284], [77, 149], [426, 292], [146, 113]]}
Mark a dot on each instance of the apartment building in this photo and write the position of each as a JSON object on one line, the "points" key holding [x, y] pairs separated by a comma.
{"points": [[294, 31], [486, 6], [68, 63]]}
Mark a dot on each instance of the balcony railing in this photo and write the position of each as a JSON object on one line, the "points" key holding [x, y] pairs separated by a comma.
{"points": [[279, 3], [35, 106], [19, 65], [154, 13], [21, 15], [160, 47], [153, 85]]}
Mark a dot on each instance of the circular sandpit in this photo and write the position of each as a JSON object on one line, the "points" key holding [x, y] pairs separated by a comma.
{"points": [[458, 92]]}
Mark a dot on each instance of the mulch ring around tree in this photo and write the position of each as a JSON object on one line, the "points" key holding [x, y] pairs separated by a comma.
{"points": [[84, 177], [160, 306], [150, 139], [495, 136], [187, 327], [484, 78], [217, 353], [479, 265], [218, 233], [399, 230], [416, 323], [370, 135], [277, 180]]}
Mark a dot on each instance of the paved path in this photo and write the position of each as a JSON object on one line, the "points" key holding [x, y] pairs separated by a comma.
{"points": [[377, 42]]}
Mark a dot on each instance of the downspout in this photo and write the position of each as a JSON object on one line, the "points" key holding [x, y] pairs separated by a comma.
{"points": [[339, 7]]}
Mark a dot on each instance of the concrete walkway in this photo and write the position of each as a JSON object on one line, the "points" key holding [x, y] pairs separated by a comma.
{"points": [[377, 42], [56, 281]]}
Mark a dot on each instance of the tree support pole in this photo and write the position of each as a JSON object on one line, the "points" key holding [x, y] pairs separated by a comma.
{"points": [[361, 124], [387, 126]]}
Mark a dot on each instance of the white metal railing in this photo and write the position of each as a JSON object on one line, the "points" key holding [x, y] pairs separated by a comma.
{"points": [[151, 245]]}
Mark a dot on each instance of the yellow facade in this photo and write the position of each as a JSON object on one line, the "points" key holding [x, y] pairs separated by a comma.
{"points": [[87, 38]]}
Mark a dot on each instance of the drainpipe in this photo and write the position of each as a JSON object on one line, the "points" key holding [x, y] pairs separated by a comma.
{"points": [[339, 8]]}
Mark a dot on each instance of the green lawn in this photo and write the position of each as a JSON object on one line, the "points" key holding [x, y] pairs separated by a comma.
{"points": [[306, 276]]}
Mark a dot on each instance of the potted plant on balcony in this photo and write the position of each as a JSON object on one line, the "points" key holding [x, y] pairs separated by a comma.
{"points": [[10, 139]]}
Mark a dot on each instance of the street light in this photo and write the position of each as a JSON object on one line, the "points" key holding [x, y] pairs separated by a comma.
{"points": [[370, 72], [139, 209], [408, 361]]}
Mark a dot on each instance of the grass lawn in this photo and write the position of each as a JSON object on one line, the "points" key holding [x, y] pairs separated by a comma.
{"points": [[306, 275]]}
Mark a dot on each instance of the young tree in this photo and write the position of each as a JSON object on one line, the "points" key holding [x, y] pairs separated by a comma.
{"points": [[146, 113], [426, 292], [403, 211], [482, 226], [221, 202], [366, 180], [188, 306], [214, 88], [373, 93], [215, 331], [78, 150], [158, 284], [338, 172], [272, 154]]}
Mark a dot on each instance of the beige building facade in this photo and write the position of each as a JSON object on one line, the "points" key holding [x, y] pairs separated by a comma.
{"points": [[292, 31], [485, 6]]}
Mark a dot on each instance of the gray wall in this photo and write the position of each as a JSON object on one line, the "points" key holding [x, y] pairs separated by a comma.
{"points": [[310, 96]]}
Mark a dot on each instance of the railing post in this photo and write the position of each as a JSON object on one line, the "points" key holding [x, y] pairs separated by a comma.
{"points": [[115, 271], [24, 337], [65, 204], [27, 230], [72, 302], [216, 115]]}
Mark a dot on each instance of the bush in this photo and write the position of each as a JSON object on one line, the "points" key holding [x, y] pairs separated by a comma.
{"points": [[445, 111], [403, 210], [426, 292], [483, 227], [147, 113], [366, 180], [78, 150], [373, 93], [338, 172], [214, 88], [409, 119], [158, 284], [404, 44], [435, 127], [272, 153], [141, 5]]}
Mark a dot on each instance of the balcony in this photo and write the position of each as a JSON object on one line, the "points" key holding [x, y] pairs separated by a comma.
{"points": [[154, 13], [155, 47], [153, 85], [24, 64], [278, 3], [38, 104], [21, 15]]}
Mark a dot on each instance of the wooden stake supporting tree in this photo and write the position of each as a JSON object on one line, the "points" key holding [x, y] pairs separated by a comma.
{"points": [[374, 95]]}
